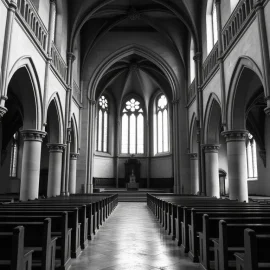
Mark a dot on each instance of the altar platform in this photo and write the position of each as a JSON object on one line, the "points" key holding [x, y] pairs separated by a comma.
{"points": [[139, 195]]}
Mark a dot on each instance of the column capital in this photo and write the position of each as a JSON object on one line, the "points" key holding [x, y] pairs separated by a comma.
{"points": [[193, 156], [235, 135], [258, 4], [13, 5], [211, 148], [92, 102], [56, 147], [71, 56], [33, 135], [3, 111], [74, 156], [197, 57], [53, 2], [175, 101]]}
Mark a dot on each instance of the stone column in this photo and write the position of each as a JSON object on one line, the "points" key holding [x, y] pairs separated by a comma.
{"points": [[221, 63], [237, 164], [177, 183], [12, 6], [212, 170], [73, 172], [91, 147], [55, 169], [194, 167], [31, 164], [199, 103]]}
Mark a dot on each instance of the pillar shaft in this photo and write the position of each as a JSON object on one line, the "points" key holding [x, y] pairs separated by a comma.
{"points": [[55, 169], [194, 168], [5, 56], [73, 172], [31, 164], [212, 170], [237, 164]]}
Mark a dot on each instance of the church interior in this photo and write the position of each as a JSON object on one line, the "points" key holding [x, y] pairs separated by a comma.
{"points": [[134, 134]]}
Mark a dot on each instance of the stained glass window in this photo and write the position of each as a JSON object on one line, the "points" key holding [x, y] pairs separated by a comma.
{"points": [[161, 131], [132, 128], [102, 124], [251, 157]]}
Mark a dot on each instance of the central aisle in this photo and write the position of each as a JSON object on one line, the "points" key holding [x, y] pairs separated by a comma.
{"points": [[132, 239]]}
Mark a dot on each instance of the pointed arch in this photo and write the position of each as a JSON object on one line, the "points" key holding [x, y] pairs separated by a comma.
{"points": [[193, 145], [56, 117], [24, 72], [212, 120], [247, 78]]}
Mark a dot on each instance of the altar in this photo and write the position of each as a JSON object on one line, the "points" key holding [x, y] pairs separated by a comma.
{"points": [[132, 184], [132, 173]]}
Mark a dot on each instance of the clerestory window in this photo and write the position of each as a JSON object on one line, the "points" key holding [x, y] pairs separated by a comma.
{"points": [[161, 130], [132, 127], [211, 25], [102, 124], [251, 157]]}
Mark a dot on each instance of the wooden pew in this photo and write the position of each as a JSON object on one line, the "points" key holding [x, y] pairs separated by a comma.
{"points": [[256, 256], [13, 254], [59, 229], [38, 238], [72, 222], [211, 231], [227, 244]]}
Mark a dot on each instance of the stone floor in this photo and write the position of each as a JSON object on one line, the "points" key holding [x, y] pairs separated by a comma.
{"points": [[131, 239]]}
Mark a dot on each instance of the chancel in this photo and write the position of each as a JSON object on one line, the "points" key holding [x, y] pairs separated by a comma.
{"points": [[134, 134]]}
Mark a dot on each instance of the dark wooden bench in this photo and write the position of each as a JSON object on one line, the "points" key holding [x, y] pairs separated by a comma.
{"points": [[228, 244], [59, 229], [13, 254], [256, 253], [211, 231], [37, 237], [72, 222]]}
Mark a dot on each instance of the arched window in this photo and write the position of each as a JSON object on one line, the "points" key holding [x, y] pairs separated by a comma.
{"points": [[233, 4], [251, 157], [102, 124], [132, 127], [211, 25], [14, 156], [161, 130], [192, 64]]}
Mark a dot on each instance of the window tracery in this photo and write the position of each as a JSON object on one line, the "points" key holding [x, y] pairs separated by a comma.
{"points": [[132, 127], [102, 124]]}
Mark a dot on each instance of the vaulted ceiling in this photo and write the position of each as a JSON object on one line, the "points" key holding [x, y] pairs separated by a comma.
{"points": [[163, 27]]}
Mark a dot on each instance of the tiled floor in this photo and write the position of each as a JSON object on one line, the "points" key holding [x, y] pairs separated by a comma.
{"points": [[131, 239]]}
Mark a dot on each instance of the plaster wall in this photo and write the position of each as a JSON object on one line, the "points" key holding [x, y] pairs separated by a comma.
{"points": [[225, 7], [3, 17], [44, 11], [26, 48], [161, 167], [213, 86], [103, 167], [55, 86], [249, 46]]}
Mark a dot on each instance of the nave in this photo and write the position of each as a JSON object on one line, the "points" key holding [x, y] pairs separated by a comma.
{"points": [[132, 239]]}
